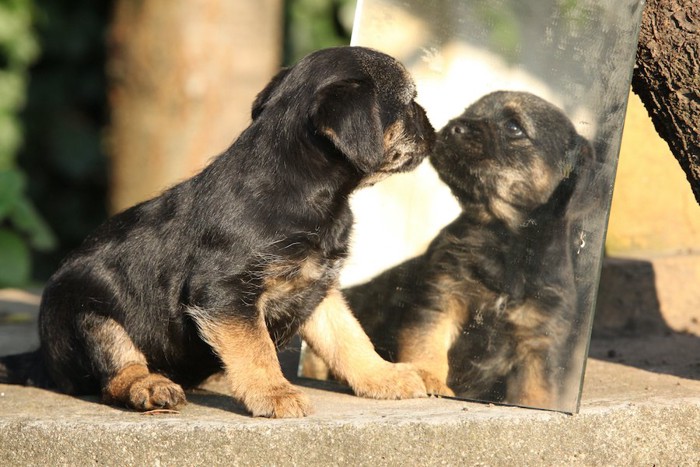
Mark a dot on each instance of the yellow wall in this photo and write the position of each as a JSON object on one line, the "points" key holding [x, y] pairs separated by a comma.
{"points": [[653, 209]]}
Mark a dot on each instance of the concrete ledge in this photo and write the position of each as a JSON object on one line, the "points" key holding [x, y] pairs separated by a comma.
{"points": [[640, 405], [629, 416]]}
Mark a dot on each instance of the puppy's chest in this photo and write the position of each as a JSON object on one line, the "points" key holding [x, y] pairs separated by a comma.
{"points": [[291, 290]]}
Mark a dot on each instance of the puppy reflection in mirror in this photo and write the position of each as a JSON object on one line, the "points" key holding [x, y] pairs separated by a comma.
{"points": [[486, 313]]}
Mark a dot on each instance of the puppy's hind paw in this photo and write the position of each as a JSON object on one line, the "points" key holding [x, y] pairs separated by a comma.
{"points": [[135, 387], [156, 392], [391, 381], [279, 402]]}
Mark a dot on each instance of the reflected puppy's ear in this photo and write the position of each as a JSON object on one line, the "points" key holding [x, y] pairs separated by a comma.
{"points": [[575, 167], [588, 173], [580, 154], [347, 113], [264, 95]]}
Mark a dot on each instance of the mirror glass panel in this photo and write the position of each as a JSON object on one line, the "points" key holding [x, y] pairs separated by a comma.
{"points": [[481, 267]]}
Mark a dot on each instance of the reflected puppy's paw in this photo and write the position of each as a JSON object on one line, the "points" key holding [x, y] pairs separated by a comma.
{"points": [[391, 381], [434, 386], [279, 402]]}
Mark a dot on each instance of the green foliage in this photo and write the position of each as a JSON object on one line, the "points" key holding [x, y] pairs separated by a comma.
{"points": [[21, 226], [316, 24], [64, 118]]}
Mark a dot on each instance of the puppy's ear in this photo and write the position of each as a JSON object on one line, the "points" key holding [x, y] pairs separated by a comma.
{"points": [[580, 153], [575, 166], [588, 174], [347, 113], [264, 95]]}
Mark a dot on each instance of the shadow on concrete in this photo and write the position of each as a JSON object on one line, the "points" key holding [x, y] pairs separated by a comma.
{"points": [[629, 326], [215, 400]]}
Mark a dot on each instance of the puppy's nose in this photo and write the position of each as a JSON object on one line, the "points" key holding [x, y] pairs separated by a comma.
{"points": [[462, 129], [457, 129]]}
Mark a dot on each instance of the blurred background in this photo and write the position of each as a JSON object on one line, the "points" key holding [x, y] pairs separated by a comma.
{"points": [[104, 104]]}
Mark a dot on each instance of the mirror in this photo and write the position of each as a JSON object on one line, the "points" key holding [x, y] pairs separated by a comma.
{"points": [[481, 267]]}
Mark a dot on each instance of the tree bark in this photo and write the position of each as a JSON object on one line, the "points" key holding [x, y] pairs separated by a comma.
{"points": [[183, 75], [667, 78]]}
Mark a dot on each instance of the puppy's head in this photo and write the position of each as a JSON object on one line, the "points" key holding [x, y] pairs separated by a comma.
{"points": [[357, 99], [509, 154]]}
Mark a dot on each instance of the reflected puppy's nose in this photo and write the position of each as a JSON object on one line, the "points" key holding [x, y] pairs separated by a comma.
{"points": [[457, 129], [465, 128]]}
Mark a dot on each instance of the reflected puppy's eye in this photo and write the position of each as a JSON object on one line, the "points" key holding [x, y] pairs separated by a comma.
{"points": [[513, 129]]}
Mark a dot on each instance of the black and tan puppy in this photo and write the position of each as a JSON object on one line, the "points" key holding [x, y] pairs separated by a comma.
{"points": [[489, 310], [221, 269]]}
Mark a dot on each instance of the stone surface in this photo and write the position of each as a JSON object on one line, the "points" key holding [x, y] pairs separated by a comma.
{"points": [[640, 405]]}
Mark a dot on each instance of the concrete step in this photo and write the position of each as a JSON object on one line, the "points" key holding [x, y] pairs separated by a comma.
{"points": [[629, 416], [640, 406]]}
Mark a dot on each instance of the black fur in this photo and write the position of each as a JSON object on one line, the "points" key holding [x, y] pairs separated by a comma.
{"points": [[278, 195]]}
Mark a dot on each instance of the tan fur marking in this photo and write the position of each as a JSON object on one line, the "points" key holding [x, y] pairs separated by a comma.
{"points": [[531, 384], [139, 389], [285, 278], [330, 133], [337, 338], [117, 390], [542, 179], [252, 369], [110, 344], [312, 366], [392, 134], [536, 184], [427, 347]]}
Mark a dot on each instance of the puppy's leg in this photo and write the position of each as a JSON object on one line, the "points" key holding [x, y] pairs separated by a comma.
{"points": [[529, 384], [426, 348], [252, 369], [537, 334], [123, 368], [426, 345], [336, 336], [312, 366]]}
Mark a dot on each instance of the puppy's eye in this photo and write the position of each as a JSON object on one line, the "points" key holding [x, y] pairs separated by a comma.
{"points": [[513, 129]]}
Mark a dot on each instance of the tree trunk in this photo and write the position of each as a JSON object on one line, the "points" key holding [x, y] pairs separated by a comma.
{"points": [[667, 78], [183, 75]]}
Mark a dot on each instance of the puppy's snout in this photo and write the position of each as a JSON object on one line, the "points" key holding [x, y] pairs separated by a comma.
{"points": [[418, 131], [424, 130], [464, 128]]}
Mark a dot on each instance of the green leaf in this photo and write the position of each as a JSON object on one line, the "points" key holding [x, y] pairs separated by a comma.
{"points": [[11, 188], [10, 139], [14, 260], [28, 220]]}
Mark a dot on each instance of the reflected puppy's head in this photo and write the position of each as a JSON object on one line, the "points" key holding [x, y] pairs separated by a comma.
{"points": [[510, 153], [359, 101]]}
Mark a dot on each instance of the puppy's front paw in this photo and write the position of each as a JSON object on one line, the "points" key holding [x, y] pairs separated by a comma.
{"points": [[390, 381], [155, 392], [278, 402], [434, 385]]}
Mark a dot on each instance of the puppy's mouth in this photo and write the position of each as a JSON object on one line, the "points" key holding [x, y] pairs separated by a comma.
{"points": [[460, 160], [399, 162]]}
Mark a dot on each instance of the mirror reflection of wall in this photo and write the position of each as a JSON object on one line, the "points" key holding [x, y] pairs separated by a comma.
{"points": [[481, 266]]}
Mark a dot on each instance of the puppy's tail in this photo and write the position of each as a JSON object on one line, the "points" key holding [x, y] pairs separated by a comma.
{"points": [[27, 369]]}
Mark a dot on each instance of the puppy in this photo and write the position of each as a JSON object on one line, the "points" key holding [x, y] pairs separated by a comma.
{"points": [[488, 312], [220, 270]]}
